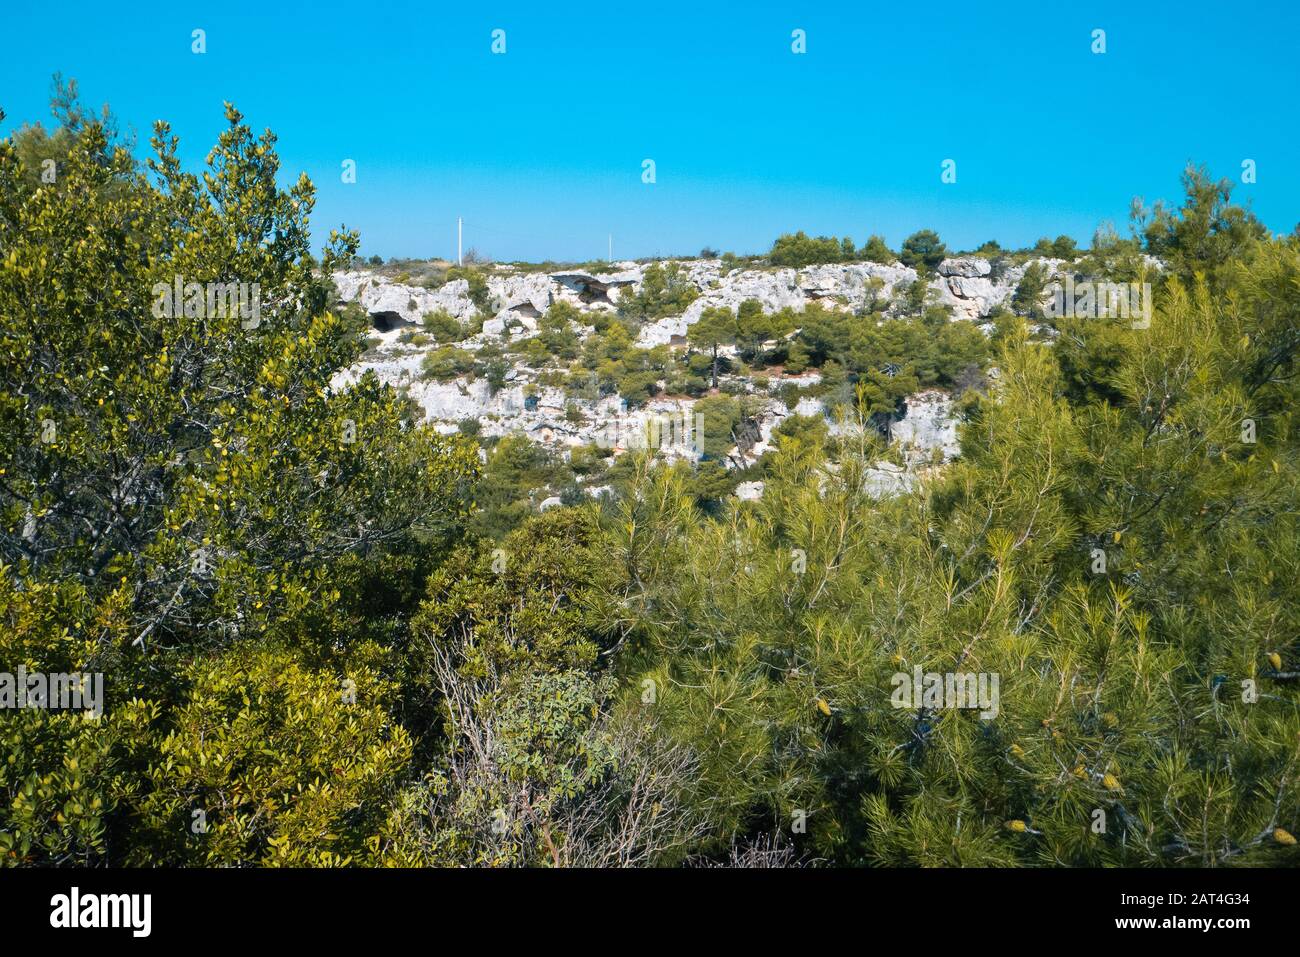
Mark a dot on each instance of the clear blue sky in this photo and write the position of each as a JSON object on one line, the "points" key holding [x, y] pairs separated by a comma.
{"points": [[540, 149]]}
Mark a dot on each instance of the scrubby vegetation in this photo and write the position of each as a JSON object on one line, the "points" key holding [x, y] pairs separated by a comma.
{"points": [[663, 292], [333, 636]]}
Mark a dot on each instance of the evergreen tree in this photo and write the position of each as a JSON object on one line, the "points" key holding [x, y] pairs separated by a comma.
{"points": [[716, 327], [1125, 564], [923, 251]]}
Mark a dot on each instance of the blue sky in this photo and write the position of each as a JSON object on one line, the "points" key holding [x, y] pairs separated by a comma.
{"points": [[541, 149]]}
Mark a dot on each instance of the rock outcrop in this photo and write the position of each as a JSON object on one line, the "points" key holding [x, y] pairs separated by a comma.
{"points": [[926, 435], [378, 295], [967, 284]]}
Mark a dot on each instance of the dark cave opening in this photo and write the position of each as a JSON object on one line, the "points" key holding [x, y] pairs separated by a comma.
{"points": [[387, 321]]}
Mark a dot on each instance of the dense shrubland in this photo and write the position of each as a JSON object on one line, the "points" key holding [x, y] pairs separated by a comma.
{"points": [[330, 636]]}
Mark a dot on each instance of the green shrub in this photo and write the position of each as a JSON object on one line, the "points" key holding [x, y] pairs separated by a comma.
{"points": [[443, 326], [800, 249], [664, 292], [447, 362]]}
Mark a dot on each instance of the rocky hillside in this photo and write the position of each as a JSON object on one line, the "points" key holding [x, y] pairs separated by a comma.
{"points": [[508, 311]]}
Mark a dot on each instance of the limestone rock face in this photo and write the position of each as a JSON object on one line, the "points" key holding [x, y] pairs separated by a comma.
{"points": [[886, 478], [966, 284], [852, 286], [378, 296], [808, 406], [970, 298], [928, 427], [529, 294], [969, 267], [925, 437], [595, 290]]}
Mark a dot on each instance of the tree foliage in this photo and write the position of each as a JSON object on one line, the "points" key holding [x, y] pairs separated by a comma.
{"points": [[1148, 709], [184, 484], [328, 640]]}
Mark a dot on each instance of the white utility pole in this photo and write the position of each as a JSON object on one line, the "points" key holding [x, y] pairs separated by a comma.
{"points": [[460, 231], [611, 247]]}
